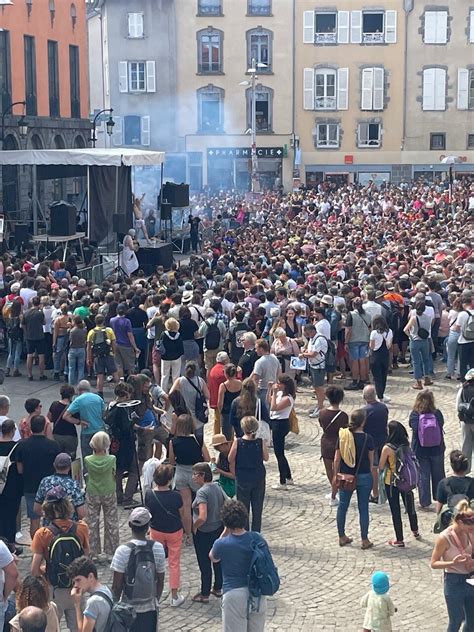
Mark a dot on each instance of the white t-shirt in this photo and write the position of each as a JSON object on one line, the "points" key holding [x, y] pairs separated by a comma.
{"points": [[150, 312], [375, 335], [27, 294], [284, 413], [372, 308], [461, 322], [6, 558], [318, 345]]}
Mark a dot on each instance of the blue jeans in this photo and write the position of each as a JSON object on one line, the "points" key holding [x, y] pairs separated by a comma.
{"points": [[460, 602], [59, 350], [76, 359], [420, 357], [14, 353], [431, 472], [452, 351], [363, 489]]}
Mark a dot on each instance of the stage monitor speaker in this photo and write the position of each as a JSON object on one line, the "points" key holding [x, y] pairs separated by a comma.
{"points": [[165, 213], [62, 219], [21, 234], [176, 194], [119, 223]]}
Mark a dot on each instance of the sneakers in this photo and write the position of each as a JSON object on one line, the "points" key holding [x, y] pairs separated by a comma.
{"points": [[334, 502], [397, 544], [416, 535], [353, 386], [280, 486], [175, 603], [386, 400], [314, 414], [373, 499], [290, 481]]}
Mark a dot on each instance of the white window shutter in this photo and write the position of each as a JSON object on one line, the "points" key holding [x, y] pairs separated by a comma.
{"points": [[428, 89], [140, 26], [308, 27], [441, 27], [440, 89], [131, 24], [378, 99], [150, 76], [390, 27], [145, 130], [343, 89], [117, 136], [471, 27], [356, 27], [343, 27], [123, 76], [430, 27], [308, 89], [463, 89], [367, 88]]}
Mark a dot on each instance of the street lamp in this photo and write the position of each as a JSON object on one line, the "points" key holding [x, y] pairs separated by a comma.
{"points": [[450, 161], [22, 122], [109, 124], [252, 84]]}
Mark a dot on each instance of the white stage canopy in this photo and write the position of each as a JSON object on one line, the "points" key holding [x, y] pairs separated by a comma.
{"points": [[116, 157]]}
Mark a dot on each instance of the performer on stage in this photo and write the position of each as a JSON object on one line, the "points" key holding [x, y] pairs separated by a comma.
{"points": [[128, 258], [138, 215]]}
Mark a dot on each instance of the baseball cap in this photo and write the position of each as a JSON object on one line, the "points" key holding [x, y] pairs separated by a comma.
{"points": [[62, 461], [55, 494], [139, 517]]}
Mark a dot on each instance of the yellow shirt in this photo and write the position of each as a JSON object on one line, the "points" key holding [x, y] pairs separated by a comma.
{"points": [[390, 470]]}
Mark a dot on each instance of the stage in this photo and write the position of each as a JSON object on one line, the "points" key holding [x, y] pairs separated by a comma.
{"points": [[157, 253]]}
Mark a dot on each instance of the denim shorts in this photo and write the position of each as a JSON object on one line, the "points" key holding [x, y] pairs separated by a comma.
{"points": [[318, 376], [30, 501], [358, 350]]}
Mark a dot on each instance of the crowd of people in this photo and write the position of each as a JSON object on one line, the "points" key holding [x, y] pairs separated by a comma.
{"points": [[335, 289]]}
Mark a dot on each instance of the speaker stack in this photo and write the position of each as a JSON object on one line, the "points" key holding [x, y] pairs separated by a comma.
{"points": [[62, 219], [176, 194]]}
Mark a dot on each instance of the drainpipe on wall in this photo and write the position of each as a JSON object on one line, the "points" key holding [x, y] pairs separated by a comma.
{"points": [[408, 8], [293, 88]]}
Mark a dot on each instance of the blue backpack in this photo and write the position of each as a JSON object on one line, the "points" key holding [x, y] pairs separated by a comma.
{"points": [[263, 579]]}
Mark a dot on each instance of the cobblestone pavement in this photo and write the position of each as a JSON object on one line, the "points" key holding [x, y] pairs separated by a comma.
{"points": [[321, 583]]}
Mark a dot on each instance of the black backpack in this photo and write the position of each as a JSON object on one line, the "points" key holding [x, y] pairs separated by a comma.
{"points": [[200, 405], [63, 549], [121, 616], [100, 344], [213, 336], [466, 405]]}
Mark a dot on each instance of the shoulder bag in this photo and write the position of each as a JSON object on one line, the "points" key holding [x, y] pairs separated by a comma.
{"points": [[348, 482]]}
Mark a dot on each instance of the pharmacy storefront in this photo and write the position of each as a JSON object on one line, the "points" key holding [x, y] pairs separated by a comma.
{"points": [[230, 167]]}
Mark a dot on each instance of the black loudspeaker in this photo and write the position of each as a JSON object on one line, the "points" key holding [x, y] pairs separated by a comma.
{"points": [[63, 219], [21, 234], [165, 212], [120, 223], [176, 194]]}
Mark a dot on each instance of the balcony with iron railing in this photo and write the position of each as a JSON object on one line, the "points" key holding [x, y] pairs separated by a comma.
{"points": [[373, 38], [209, 10], [210, 68], [325, 38], [258, 9], [325, 103]]}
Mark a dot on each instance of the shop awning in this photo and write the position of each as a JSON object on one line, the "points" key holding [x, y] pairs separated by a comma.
{"points": [[116, 157]]}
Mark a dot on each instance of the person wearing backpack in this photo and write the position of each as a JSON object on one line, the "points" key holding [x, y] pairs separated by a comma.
{"points": [[241, 611], [61, 542], [452, 489], [395, 458], [94, 614], [139, 572], [418, 328], [196, 396], [101, 352], [465, 326], [171, 349], [427, 443], [214, 333], [465, 410]]}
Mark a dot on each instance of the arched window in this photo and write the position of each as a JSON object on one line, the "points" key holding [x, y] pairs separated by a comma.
{"points": [[263, 108], [79, 142], [59, 142], [259, 49], [36, 142], [210, 55], [210, 109]]}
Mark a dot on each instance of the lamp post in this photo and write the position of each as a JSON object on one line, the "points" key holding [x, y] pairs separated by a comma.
{"points": [[109, 124], [22, 122], [252, 84]]}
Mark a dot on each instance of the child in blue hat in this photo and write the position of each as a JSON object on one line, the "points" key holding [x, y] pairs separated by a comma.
{"points": [[379, 606]]}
